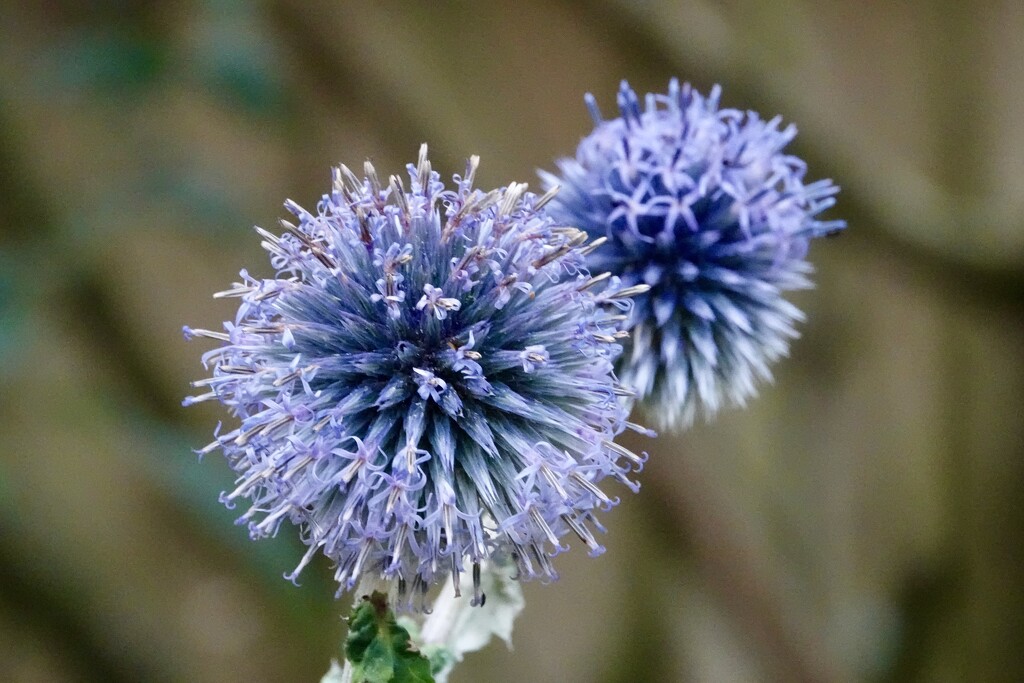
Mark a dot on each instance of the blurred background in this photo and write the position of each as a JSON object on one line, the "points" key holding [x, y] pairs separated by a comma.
{"points": [[863, 520]]}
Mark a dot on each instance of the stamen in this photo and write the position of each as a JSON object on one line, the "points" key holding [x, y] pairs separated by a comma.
{"points": [[423, 168], [541, 523], [546, 197], [586, 251], [371, 175], [471, 166], [398, 192], [637, 460], [220, 336], [584, 535], [593, 281], [513, 193], [552, 256], [354, 185], [630, 292], [590, 487], [479, 598], [237, 291], [455, 576]]}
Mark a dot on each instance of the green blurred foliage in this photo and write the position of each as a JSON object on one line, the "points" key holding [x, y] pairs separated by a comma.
{"points": [[862, 520]]}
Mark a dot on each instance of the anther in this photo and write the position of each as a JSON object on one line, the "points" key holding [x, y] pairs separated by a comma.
{"points": [[479, 598], [471, 166], [546, 197], [593, 281], [593, 245], [512, 195], [630, 292]]}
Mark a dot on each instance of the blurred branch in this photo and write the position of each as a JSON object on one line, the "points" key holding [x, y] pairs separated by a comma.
{"points": [[340, 47], [69, 288], [51, 609], [24, 211], [741, 579], [43, 606], [927, 597], [99, 324]]}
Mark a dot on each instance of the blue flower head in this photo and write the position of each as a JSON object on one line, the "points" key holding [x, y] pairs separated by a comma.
{"points": [[702, 205], [426, 383]]}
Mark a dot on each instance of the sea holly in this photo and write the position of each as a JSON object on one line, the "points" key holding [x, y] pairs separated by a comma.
{"points": [[700, 204], [426, 384]]}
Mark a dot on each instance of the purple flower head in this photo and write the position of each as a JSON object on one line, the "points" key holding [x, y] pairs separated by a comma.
{"points": [[426, 383], [702, 205]]}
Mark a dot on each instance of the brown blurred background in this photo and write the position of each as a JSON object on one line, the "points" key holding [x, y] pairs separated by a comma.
{"points": [[863, 520]]}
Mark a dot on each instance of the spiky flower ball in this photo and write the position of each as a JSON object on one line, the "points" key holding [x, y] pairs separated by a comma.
{"points": [[701, 204], [426, 383]]}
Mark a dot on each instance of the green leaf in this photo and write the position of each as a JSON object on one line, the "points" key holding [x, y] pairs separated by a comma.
{"points": [[379, 649], [442, 661]]}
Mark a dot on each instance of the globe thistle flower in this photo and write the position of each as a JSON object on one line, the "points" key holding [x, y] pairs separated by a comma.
{"points": [[702, 205], [426, 383]]}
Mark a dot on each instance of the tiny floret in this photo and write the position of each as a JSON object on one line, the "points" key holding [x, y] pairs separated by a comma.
{"points": [[426, 383], [701, 205], [434, 301]]}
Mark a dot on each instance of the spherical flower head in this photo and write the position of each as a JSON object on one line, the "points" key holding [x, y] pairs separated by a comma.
{"points": [[702, 205], [426, 383]]}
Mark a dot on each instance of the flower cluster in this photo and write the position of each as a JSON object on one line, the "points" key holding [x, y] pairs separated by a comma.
{"points": [[702, 205], [426, 383]]}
